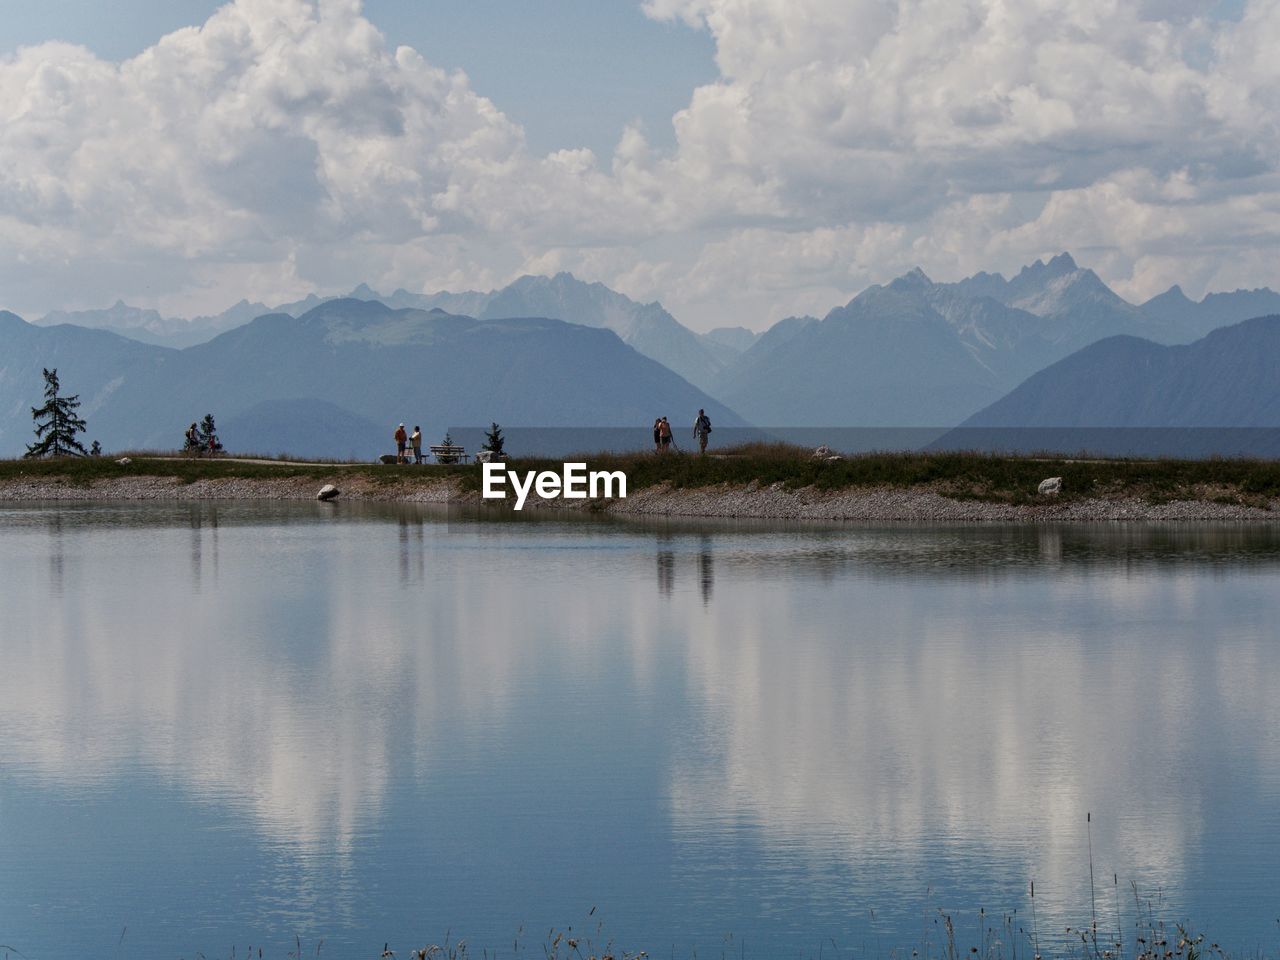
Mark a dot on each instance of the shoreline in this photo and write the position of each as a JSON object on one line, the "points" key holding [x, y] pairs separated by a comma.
{"points": [[753, 500]]}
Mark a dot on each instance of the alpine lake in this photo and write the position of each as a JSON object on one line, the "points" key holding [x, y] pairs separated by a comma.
{"points": [[322, 728]]}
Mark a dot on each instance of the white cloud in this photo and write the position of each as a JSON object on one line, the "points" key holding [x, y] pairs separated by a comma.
{"points": [[284, 145]]}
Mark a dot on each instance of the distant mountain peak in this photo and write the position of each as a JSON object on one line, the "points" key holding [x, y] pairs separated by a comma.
{"points": [[1060, 266], [541, 279], [364, 292], [346, 309], [913, 279], [1173, 298]]}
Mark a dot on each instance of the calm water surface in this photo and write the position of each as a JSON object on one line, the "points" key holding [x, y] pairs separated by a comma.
{"points": [[230, 725]]}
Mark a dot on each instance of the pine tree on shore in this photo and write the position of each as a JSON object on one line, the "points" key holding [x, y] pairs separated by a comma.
{"points": [[56, 423], [208, 433], [493, 441], [447, 457]]}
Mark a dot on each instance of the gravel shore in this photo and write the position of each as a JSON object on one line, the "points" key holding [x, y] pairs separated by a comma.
{"points": [[751, 501], [150, 487], [918, 504]]}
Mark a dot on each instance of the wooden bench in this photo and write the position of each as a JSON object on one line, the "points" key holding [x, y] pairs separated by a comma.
{"points": [[448, 454]]}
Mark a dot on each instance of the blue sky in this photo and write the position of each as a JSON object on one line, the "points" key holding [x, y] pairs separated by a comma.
{"points": [[739, 160]]}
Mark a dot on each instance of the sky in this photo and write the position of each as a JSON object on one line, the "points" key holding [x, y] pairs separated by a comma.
{"points": [[739, 160]]}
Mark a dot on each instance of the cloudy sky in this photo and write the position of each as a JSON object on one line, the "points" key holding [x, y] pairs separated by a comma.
{"points": [[740, 160]]}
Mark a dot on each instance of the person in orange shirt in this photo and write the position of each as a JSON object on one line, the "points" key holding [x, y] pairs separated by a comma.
{"points": [[401, 439]]}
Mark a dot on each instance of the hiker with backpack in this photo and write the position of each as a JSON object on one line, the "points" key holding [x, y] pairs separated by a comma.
{"points": [[701, 430]]}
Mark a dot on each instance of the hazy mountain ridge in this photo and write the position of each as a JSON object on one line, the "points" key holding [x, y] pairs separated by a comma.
{"points": [[1197, 318], [738, 339], [1080, 308], [848, 368], [647, 327], [913, 352], [149, 326], [373, 365], [1225, 379], [971, 342]]}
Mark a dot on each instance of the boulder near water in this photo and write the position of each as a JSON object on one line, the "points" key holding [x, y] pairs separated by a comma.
{"points": [[1050, 487], [328, 492]]}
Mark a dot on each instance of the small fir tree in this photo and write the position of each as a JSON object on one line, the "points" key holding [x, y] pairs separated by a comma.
{"points": [[493, 440], [56, 423], [208, 434], [447, 457], [95, 450]]}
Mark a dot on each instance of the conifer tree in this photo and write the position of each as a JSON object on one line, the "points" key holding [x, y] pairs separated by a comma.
{"points": [[208, 433], [493, 440], [447, 457], [56, 423]]}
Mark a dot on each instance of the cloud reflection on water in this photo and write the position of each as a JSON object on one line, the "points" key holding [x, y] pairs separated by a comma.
{"points": [[964, 698], [882, 708]]}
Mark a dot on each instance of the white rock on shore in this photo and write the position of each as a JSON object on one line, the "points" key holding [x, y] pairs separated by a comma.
{"points": [[1050, 487]]}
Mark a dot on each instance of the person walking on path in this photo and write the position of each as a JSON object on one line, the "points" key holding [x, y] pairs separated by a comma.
{"points": [[664, 433], [415, 441], [401, 438], [701, 429]]}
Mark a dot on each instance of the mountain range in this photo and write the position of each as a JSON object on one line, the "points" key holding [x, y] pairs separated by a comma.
{"points": [[647, 327], [1126, 395], [336, 380], [1225, 379], [909, 353], [919, 353]]}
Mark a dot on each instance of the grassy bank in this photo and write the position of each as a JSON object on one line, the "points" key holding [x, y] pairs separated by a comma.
{"points": [[85, 471], [964, 476], [960, 476]]}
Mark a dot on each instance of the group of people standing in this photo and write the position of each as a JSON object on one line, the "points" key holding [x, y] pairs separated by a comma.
{"points": [[407, 441], [662, 436]]}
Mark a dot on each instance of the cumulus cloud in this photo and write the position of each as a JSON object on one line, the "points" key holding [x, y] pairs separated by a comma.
{"points": [[281, 133], [985, 132], [285, 145]]}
